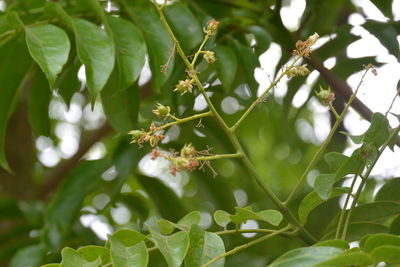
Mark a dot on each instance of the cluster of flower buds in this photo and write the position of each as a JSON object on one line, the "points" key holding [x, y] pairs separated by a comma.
{"points": [[326, 96], [212, 27], [298, 71], [140, 136], [184, 87], [304, 48], [162, 111], [209, 56], [185, 161]]}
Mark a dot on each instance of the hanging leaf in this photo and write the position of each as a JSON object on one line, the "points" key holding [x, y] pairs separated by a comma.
{"points": [[382, 209], [130, 50], [11, 75], [183, 224], [378, 131], [68, 83], [357, 230], [385, 32], [49, 46], [127, 237], [204, 246], [354, 164], [226, 66], [159, 44], [173, 247], [38, 104]]}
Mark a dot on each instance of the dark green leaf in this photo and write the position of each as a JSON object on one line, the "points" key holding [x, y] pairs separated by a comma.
{"points": [[378, 131], [386, 33], [38, 104], [323, 185], [11, 76], [354, 164], [204, 246], [222, 218], [243, 214], [263, 38], [382, 209], [310, 256], [128, 256], [159, 44], [28, 256], [68, 82], [120, 107], [359, 229], [312, 200], [348, 259], [71, 258], [384, 6], [184, 25], [337, 243], [389, 191], [92, 253], [226, 66], [67, 202], [128, 237], [387, 254], [130, 50], [374, 241], [395, 226], [49, 46], [173, 247], [393, 140], [335, 160]]}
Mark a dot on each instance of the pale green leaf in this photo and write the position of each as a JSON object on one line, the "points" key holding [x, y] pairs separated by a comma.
{"points": [[222, 218], [128, 256], [71, 258]]}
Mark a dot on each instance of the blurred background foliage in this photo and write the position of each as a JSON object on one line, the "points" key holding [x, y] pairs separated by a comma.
{"points": [[72, 175]]}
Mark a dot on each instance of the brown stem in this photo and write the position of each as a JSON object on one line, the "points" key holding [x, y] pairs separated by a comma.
{"points": [[58, 174]]}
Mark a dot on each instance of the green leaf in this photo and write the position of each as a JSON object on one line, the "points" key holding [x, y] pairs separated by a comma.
{"points": [[357, 139], [92, 253], [263, 38], [385, 32], [65, 206], [159, 44], [128, 237], [387, 254], [335, 160], [166, 227], [222, 218], [389, 191], [49, 46], [309, 256], [374, 241], [337, 243], [185, 26], [130, 50], [359, 229], [68, 82], [248, 61], [378, 131], [51, 265], [226, 66], [243, 214], [395, 226], [393, 140], [313, 200], [71, 258], [38, 104], [96, 52], [354, 164], [121, 107], [204, 246], [192, 218], [11, 76], [382, 209], [173, 247], [356, 258], [28, 256], [128, 256], [384, 6], [323, 185]]}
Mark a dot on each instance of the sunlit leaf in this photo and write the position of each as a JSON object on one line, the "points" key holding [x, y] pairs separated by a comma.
{"points": [[222, 218], [244, 214], [128, 256], [71, 258]]}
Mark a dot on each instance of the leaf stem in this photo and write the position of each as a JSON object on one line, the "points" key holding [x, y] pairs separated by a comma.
{"points": [[220, 156], [262, 96], [305, 235], [322, 148], [245, 246], [183, 120]]}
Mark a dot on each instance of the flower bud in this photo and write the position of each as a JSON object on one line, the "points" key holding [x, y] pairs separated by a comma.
{"points": [[209, 56], [137, 135], [154, 139], [181, 163], [212, 27], [326, 96], [188, 151], [313, 38], [161, 110], [184, 86]]}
